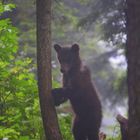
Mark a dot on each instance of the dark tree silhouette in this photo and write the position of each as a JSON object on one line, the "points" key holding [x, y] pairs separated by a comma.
{"points": [[48, 112], [133, 73]]}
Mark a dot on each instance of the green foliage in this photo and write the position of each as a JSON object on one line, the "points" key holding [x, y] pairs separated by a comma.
{"points": [[115, 133], [19, 110], [7, 7], [9, 133], [65, 126]]}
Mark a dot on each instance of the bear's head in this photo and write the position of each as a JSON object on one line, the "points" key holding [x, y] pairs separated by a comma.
{"points": [[68, 58]]}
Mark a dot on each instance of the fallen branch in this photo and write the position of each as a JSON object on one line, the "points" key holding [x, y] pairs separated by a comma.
{"points": [[123, 126]]}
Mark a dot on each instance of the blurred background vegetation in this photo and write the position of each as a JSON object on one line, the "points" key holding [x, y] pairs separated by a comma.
{"points": [[98, 26]]}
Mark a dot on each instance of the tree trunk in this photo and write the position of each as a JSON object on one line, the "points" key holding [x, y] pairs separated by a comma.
{"points": [[133, 73], [48, 112]]}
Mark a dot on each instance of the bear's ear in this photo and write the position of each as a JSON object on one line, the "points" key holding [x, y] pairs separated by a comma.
{"points": [[75, 48], [57, 47]]}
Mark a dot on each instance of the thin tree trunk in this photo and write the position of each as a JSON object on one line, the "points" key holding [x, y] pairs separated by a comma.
{"points": [[133, 73], [48, 112]]}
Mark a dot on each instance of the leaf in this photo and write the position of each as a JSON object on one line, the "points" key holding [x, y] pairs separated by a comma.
{"points": [[24, 138]]}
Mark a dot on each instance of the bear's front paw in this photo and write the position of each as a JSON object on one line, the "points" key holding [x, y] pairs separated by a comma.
{"points": [[58, 96]]}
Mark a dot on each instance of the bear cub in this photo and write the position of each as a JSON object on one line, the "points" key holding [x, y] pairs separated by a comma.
{"points": [[79, 89]]}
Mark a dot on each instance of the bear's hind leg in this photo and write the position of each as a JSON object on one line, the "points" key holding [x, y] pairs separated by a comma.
{"points": [[78, 131], [78, 135], [93, 137]]}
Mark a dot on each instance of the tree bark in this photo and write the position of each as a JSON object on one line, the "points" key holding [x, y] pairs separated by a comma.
{"points": [[133, 73], [48, 112]]}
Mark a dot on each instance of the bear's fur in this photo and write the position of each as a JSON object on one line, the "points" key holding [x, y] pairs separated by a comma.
{"points": [[79, 89]]}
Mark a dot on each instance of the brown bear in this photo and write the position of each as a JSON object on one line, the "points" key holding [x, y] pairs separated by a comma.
{"points": [[79, 89]]}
